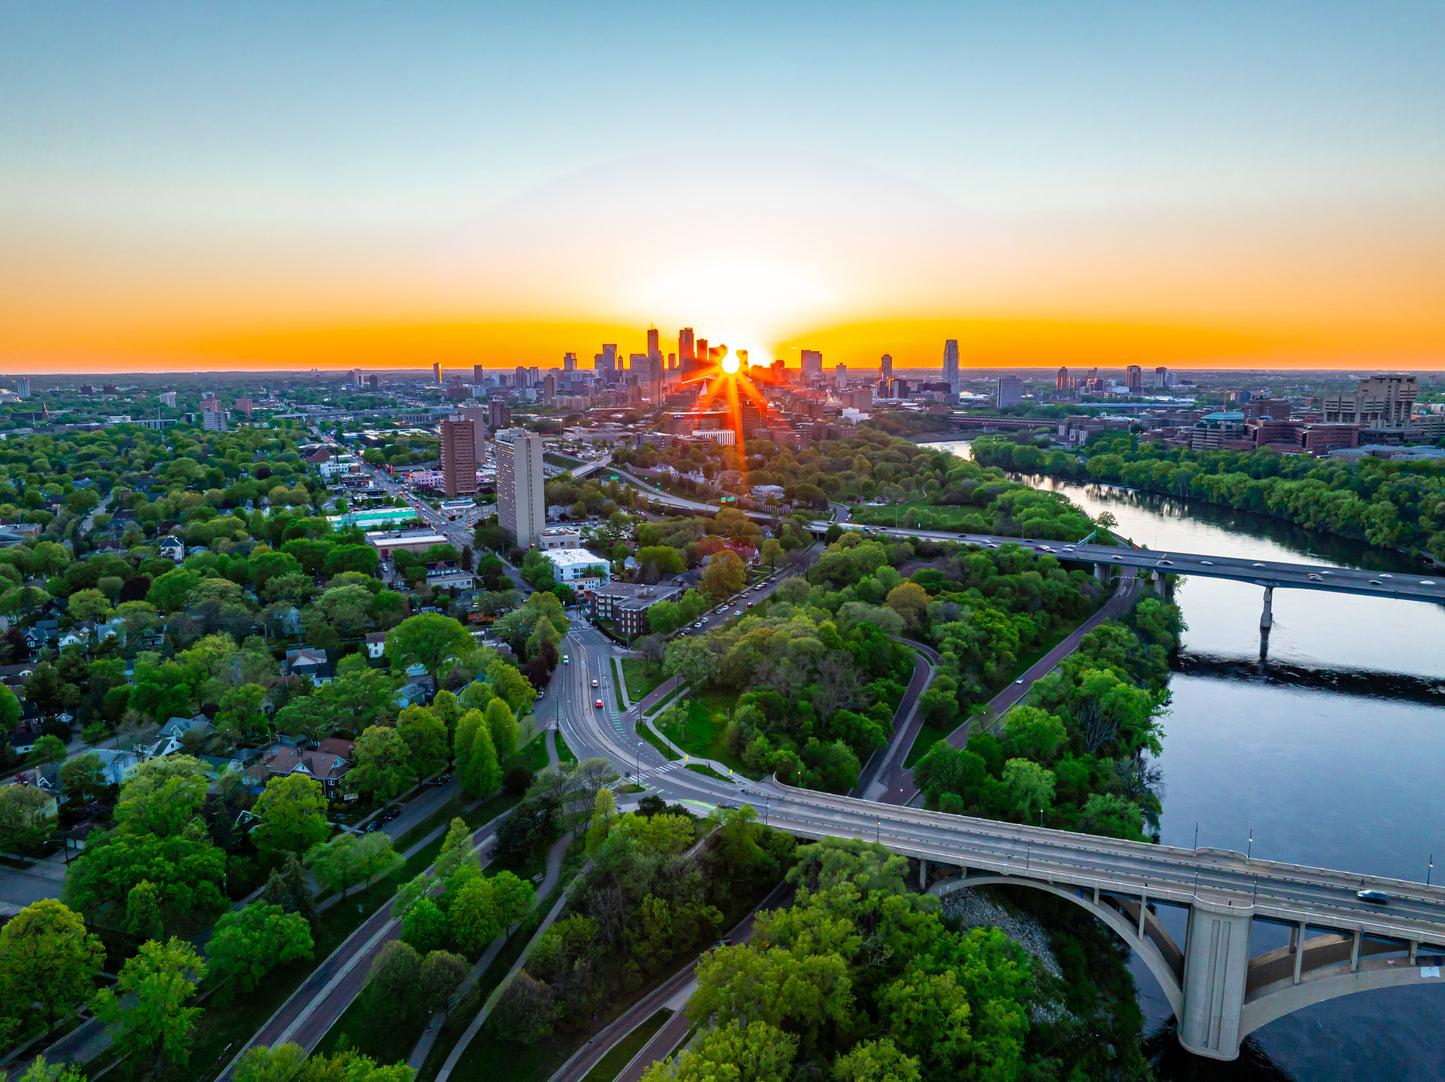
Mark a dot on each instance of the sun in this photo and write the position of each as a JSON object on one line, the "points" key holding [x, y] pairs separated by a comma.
{"points": [[730, 364]]}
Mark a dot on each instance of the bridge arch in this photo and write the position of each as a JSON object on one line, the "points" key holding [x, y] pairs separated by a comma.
{"points": [[1274, 1001], [1170, 981]]}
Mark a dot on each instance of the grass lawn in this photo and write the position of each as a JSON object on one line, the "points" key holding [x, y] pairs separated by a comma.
{"points": [[534, 755], [617, 685], [623, 1051], [640, 682], [564, 753], [705, 733], [707, 771], [927, 737], [645, 731]]}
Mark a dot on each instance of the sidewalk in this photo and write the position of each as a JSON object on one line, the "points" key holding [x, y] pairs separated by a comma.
{"points": [[424, 1044]]}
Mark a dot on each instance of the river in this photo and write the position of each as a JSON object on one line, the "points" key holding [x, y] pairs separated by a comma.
{"points": [[1326, 753]]}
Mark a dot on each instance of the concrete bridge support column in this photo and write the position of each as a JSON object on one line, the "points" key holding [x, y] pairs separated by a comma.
{"points": [[1160, 587], [1216, 967], [1355, 953], [922, 874], [1101, 572], [1296, 944], [1266, 618]]}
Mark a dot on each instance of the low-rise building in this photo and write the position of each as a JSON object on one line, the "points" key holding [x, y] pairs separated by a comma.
{"points": [[625, 604], [561, 537], [375, 645], [310, 663], [580, 569], [387, 542], [328, 764]]}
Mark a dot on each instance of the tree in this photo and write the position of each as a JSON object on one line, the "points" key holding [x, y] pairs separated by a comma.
{"points": [[910, 601], [473, 917], [288, 1063], [336, 864], [502, 725], [527, 1009], [185, 868], [456, 851], [245, 946], [82, 779], [429, 639], [148, 1010], [88, 606], [441, 975], [1028, 788], [604, 813], [27, 817], [9, 710], [383, 768], [161, 796], [47, 749], [48, 965], [426, 740], [425, 926], [40, 1071], [360, 695], [292, 810], [724, 575], [751, 1052], [376, 856], [241, 710], [394, 974], [482, 772], [288, 887], [772, 551]]}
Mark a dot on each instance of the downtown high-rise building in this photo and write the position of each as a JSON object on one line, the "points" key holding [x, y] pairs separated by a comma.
{"points": [[950, 365], [885, 368], [1134, 378], [478, 416], [840, 377], [606, 361], [569, 362], [811, 366], [356, 377], [459, 455], [1010, 391], [686, 355], [1161, 378], [478, 375], [436, 370], [521, 500], [22, 388]]}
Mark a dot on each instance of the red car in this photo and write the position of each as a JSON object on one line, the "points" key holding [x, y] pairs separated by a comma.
{"points": [[598, 704]]}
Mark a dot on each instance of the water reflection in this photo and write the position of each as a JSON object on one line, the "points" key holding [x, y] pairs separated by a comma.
{"points": [[1330, 752]]}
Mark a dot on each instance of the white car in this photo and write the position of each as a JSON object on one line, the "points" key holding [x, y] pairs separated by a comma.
{"points": [[566, 660]]}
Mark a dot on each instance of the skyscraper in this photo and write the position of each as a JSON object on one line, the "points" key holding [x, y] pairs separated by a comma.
{"points": [[1010, 391], [22, 387], [477, 373], [653, 349], [569, 362], [459, 456], [840, 376], [356, 377], [1134, 378], [950, 365], [885, 368], [686, 358], [521, 509], [606, 361], [1061, 380], [701, 355], [1161, 378], [812, 365], [436, 370], [497, 414]]}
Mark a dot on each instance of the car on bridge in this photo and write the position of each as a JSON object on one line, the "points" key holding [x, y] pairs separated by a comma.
{"points": [[598, 704], [1374, 897]]}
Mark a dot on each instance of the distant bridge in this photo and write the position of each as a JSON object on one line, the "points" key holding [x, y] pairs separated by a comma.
{"points": [[1270, 574]]}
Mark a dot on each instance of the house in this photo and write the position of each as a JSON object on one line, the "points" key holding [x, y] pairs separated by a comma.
{"points": [[375, 645], [171, 736], [310, 663], [291, 621], [415, 692], [323, 765], [76, 636], [626, 603], [115, 765], [173, 547]]}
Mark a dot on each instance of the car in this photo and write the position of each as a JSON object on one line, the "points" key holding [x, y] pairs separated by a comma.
{"points": [[1374, 897], [1315, 578], [1386, 575], [1207, 563], [375, 824], [1118, 559], [1427, 582], [1256, 565], [1167, 563], [737, 612], [1376, 582], [390, 814], [1020, 680], [697, 626], [750, 604], [595, 684], [566, 660], [598, 704]]}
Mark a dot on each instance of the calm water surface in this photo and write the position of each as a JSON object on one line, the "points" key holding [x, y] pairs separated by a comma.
{"points": [[1321, 752]]}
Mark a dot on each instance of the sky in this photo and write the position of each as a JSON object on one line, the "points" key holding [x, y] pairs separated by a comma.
{"points": [[374, 185]]}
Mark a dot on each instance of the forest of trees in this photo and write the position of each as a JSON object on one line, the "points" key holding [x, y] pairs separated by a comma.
{"points": [[1397, 505]]}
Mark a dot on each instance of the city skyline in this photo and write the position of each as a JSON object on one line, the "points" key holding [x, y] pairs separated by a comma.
{"points": [[1047, 185]]}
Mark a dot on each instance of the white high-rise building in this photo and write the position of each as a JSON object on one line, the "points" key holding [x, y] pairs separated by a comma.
{"points": [[22, 387], [521, 499], [840, 374], [812, 365], [1010, 391], [168, 398], [950, 365]]}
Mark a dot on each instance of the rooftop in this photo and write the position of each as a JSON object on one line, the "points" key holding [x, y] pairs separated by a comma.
{"points": [[575, 558]]}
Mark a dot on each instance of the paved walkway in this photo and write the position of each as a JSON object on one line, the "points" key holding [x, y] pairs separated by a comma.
{"points": [[555, 856], [476, 1024], [901, 789]]}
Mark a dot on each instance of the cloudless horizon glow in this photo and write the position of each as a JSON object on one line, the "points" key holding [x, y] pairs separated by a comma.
{"points": [[364, 185]]}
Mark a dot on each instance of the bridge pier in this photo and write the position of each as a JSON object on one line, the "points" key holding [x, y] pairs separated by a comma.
{"points": [[922, 874], [1101, 572], [1266, 618], [1296, 943], [1216, 966], [1160, 584]]}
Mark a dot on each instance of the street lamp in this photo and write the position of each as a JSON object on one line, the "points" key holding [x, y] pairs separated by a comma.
{"points": [[877, 831], [1430, 868], [1249, 854]]}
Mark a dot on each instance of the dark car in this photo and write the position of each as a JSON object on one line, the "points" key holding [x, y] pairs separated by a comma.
{"points": [[375, 824], [390, 814], [1374, 897]]}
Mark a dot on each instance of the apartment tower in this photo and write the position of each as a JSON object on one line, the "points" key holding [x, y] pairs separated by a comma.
{"points": [[521, 500], [459, 455]]}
